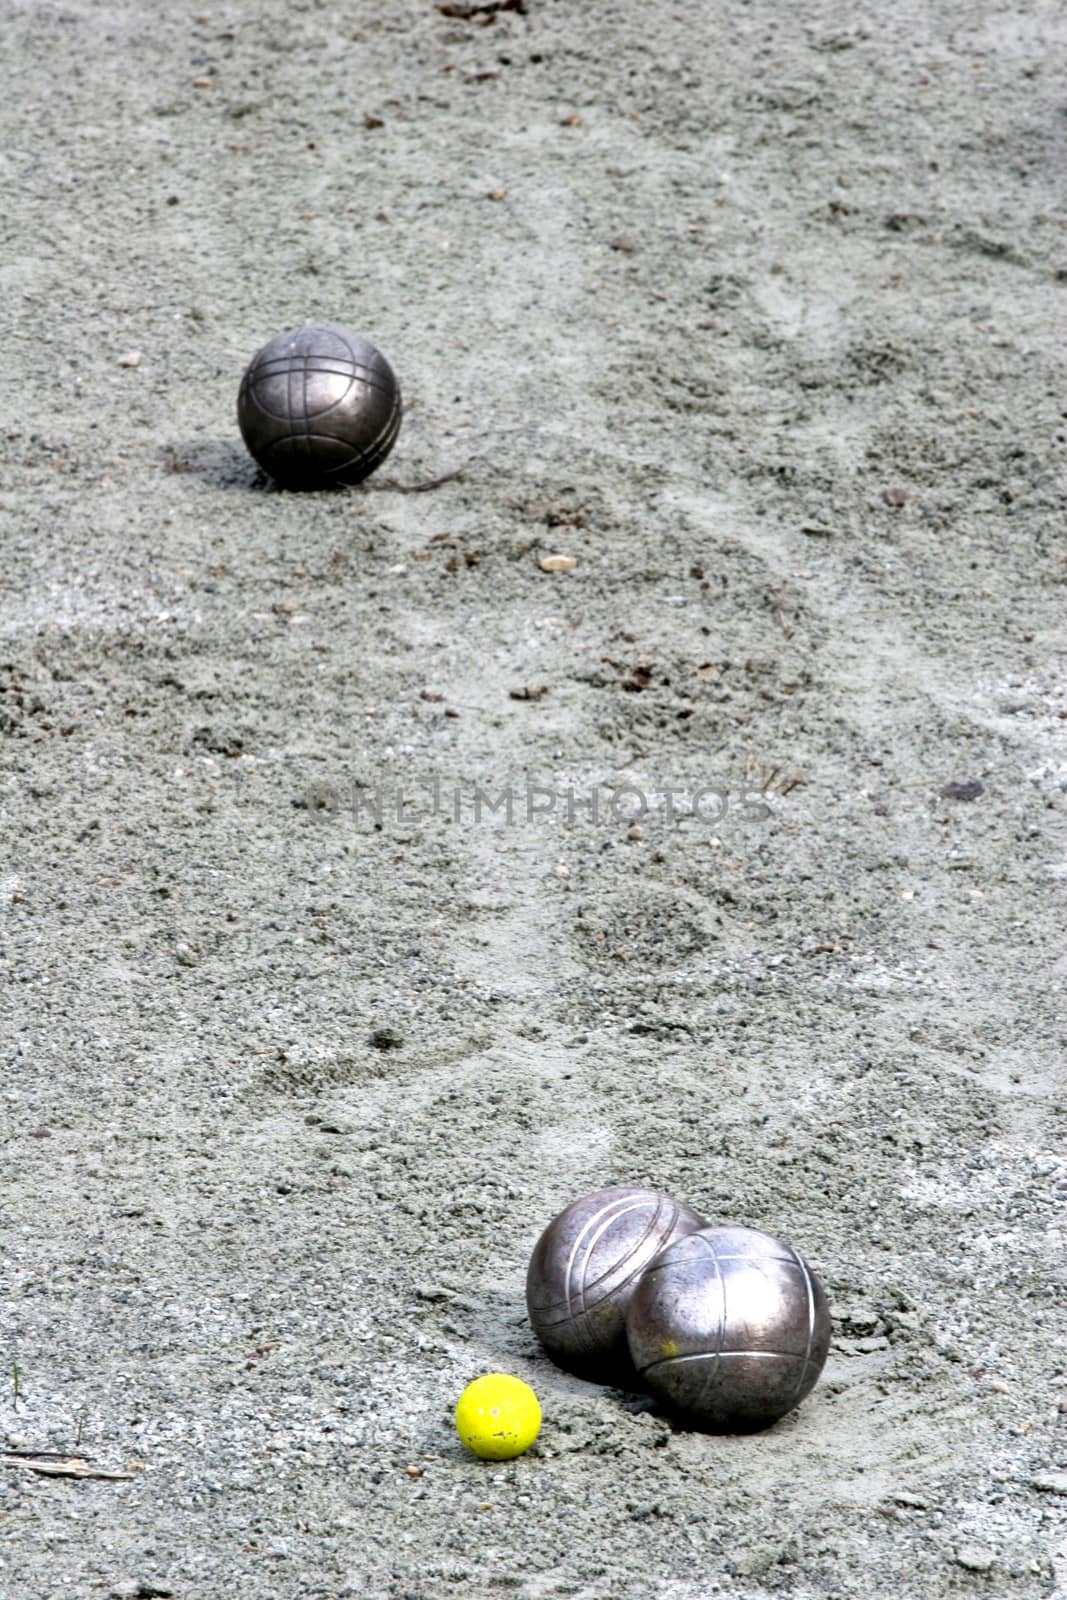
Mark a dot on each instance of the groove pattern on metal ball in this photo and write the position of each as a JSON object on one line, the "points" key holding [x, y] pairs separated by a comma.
{"points": [[319, 406], [730, 1328], [585, 1267]]}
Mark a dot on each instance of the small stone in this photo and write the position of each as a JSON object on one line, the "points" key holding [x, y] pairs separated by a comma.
{"points": [[858, 1319], [896, 497], [973, 1558], [999, 1386], [386, 1039], [1050, 1482], [962, 791], [413, 1472], [279, 1548], [558, 563], [132, 358], [498, 194]]}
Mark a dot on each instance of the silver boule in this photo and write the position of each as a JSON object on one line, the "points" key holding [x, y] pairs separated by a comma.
{"points": [[585, 1267], [729, 1327], [319, 406]]}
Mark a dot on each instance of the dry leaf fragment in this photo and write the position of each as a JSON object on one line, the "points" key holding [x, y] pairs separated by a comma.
{"points": [[558, 563], [483, 16], [53, 1466]]}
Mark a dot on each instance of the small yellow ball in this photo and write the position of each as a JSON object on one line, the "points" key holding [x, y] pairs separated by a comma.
{"points": [[498, 1417]]}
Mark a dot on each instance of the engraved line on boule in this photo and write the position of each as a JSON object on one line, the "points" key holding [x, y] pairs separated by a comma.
{"points": [[390, 427], [749, 1255], [720, 1279], [343, 366], [382, 443], [612, 1212], [607, 1217], [323, 438], [271, 366], [322, 344], [650, 1229], [662, 1266], [289, 368], [278, 368], [299, 421], [326, 438], [723, 1355], [324, 411], [803, 1265]]}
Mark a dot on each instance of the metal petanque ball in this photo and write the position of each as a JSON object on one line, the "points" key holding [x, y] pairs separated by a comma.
{"points": [[729, 1328], [585, 1267], [319, 406]]}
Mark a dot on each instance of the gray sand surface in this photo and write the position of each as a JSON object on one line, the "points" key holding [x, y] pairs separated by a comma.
{"points": [[764, 326]]}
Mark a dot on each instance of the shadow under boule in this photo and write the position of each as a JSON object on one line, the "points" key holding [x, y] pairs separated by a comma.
{"points": [[219, 463]]}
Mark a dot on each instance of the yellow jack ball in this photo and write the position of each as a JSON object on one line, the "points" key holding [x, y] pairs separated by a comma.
{"points": [[498, 1417]]}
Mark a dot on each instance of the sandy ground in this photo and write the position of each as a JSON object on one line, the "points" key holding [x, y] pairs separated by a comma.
{"points": [[757, 311]]}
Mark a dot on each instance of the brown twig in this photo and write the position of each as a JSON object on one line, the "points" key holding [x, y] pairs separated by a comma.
{"points": [[52, 1465], [776, 591], [482, 15], [416, 488]]}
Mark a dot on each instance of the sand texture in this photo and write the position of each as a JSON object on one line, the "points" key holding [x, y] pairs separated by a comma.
{"points": [[758, 312]]}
